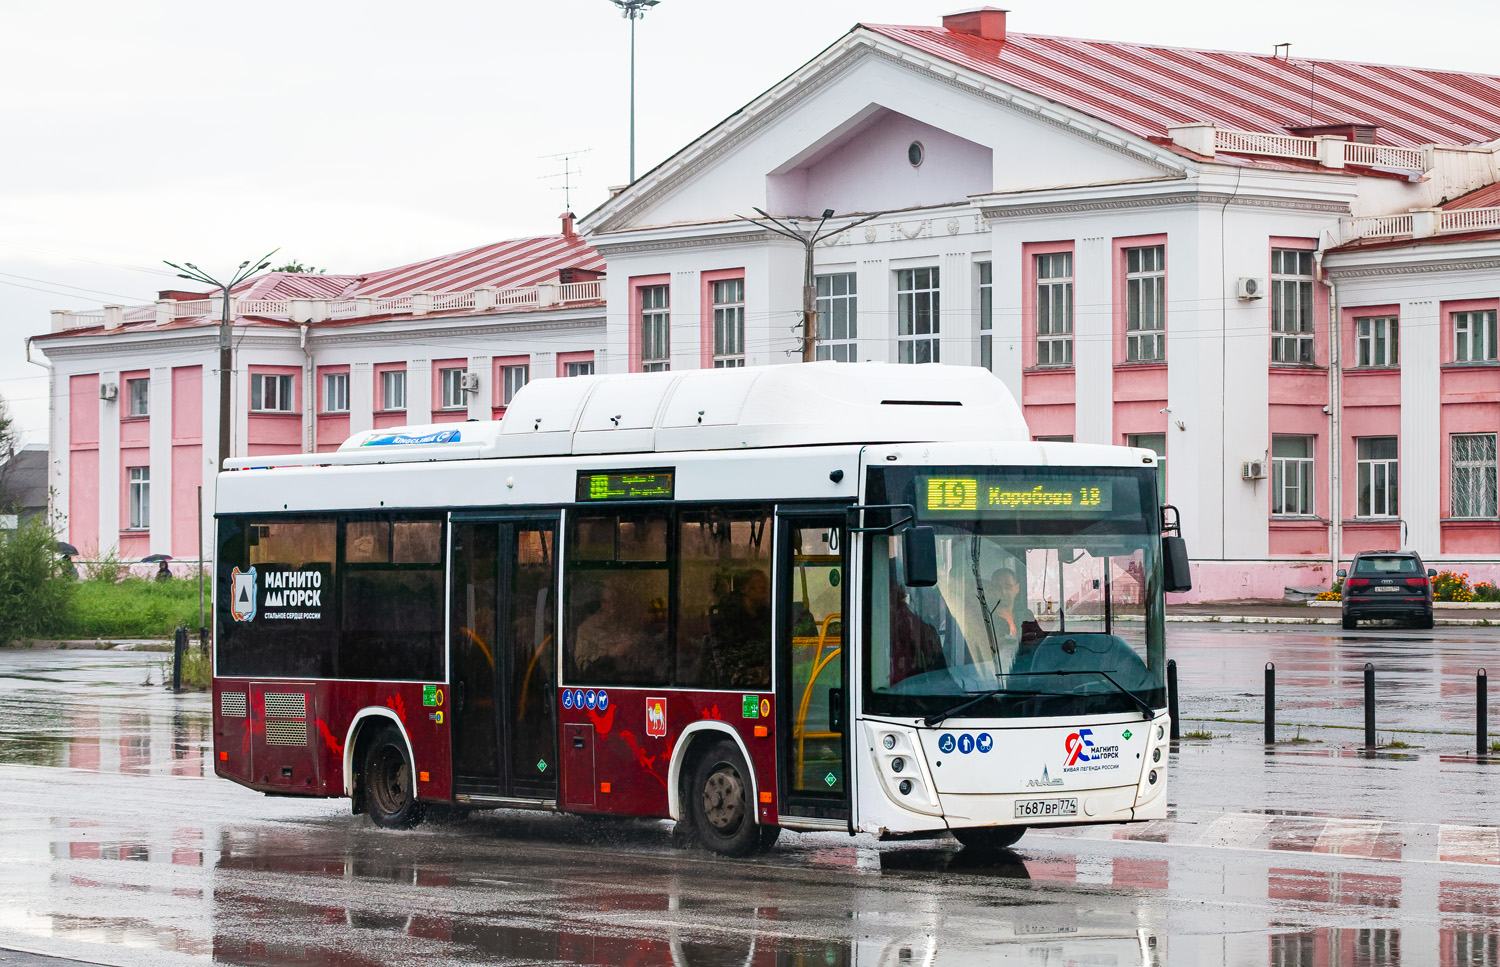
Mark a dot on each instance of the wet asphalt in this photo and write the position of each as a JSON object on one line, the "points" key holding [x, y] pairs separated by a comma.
{"points": [[117, 846]]}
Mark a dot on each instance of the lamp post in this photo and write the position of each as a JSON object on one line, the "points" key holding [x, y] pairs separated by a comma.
{"points": [[633, 10], [192, 273], [791, 227]]}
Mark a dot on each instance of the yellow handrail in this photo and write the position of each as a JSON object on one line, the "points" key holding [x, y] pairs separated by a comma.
{"points": [[820, 662]]}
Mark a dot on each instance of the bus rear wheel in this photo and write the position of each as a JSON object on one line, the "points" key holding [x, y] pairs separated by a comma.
{"points": [[720, 800], [989, 839], [390, 793]]}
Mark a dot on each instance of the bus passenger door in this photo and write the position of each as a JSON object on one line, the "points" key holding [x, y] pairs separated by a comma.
{"points": [[503, 659], [812, 700]]}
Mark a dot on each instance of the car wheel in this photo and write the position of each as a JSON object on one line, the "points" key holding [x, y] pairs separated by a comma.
{"points": [[989, 839], [388, 785], [1349, 623], [720, 799], [1425, 622]]}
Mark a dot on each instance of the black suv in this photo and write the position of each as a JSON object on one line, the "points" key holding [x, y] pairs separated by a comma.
{"points": [[1387, 584]]}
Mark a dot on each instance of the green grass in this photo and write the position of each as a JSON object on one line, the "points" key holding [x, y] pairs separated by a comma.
{"points": [[1197, 734], [133, 608]]}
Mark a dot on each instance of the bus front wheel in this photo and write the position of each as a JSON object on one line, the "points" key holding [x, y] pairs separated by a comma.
{"points": [[720, 798], [390, 793], [989, 838]]}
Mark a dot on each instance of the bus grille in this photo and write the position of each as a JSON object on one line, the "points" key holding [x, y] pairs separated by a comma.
{"points": [[286, 733], [286, 705], [232, 704]]}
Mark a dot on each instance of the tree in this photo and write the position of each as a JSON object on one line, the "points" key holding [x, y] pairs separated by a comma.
{"points": [[298, 267], [9, 438]]}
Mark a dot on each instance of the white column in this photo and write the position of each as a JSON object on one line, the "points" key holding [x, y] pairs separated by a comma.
{"points": [[480, 400], [1421, 458], [239, 407], [210, 436], [1008, 326], [543, 365], [686, 325], [60, 448], [419, 391], [957, 319], [877, 315], [110, 487], [361, 398], [773, 306], [161, 460], [1093, 342]]}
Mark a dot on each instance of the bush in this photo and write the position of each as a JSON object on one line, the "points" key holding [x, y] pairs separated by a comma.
{"points": [[34, 594], [1485, 591], [131, 608], [1450, 586], [106, 567]]}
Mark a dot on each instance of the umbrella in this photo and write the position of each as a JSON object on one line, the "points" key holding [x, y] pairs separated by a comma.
{"points": [[153, 558], [63, 547]]}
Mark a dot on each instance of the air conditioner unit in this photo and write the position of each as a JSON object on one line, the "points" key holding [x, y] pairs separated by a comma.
{"points": [[108, 391], [469, 382], [1248, 288], [1253, 470]]}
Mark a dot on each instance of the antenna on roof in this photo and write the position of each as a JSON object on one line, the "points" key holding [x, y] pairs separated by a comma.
{"points": [[567, 173]]}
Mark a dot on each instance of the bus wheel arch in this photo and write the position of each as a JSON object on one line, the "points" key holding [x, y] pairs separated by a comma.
{"points": [[367, 723], [718, 795], [693, 743]]}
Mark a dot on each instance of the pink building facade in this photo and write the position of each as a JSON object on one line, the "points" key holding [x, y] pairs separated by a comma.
{"points": [[1150, 246], [135, 391]]}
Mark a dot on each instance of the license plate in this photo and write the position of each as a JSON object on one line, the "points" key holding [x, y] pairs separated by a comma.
{"points": [[1391, 590], [1038, 808]]}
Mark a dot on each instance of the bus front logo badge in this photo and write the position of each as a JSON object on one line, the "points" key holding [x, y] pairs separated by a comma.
{"points": [[242, 594], [656, 716]]}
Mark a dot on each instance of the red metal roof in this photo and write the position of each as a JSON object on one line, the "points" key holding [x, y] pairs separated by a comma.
{"points": [[518, 262], [1145, 89], [294, 285], [1486, 197]]}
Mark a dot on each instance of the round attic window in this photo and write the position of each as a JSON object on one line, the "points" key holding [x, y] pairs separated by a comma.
{"points": [[915, 153]]}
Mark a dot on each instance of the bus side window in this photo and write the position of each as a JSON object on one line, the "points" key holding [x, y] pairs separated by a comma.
{"points": [[276, 615], [724, 599], [617, 600], [392, 600]]}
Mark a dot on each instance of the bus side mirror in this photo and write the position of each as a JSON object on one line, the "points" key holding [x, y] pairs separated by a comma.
{"points": [[919, 552], [1178, 574]]}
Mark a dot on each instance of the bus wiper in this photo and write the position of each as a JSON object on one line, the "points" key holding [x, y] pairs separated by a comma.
{"points": [[936, 717]]}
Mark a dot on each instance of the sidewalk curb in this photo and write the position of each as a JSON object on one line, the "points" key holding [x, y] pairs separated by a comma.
{"points": [[1310, 620]]}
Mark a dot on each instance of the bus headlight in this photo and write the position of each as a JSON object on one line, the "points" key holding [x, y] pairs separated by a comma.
{"points": [[890, 741], [905, 787], [1151, 777], [1156, 754], [1159, 733], [897, 764]]}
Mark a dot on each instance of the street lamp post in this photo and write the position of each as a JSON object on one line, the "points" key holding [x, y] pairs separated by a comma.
{"points": [[192, 273], [633, 10], [792, 229]]}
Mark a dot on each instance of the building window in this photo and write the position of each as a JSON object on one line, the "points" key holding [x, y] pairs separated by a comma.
{"points": [[656, 346], [729, 323], [579, 369], [393, 389], [987, 315], [140, 498], [1146, 304], [1375, 341], [1376, 464], [838, 304], [270, 394], [1058, 438], [1054, 309], [453, 389], [512, 378], [1474, 473], [1292, 305], [1474, 336], [917, 313], [138, 395], [1157, 444], [335, 392], [1292, 476]]}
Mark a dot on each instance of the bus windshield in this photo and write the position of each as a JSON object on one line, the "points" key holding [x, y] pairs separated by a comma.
{"points": [[1052, 607]]}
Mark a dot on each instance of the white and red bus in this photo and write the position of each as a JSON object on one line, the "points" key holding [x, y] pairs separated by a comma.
{"points": [[821, 597]]}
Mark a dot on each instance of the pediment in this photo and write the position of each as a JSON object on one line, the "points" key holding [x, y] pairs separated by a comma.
{"points": [[836, 134]]}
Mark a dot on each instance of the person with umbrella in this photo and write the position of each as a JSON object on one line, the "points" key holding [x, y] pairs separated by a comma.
{"points": [[160, 560], [68, 552]]}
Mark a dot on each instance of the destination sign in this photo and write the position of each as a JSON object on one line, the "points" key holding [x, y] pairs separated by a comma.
{"points": [[1014, 496], [625, 485]]}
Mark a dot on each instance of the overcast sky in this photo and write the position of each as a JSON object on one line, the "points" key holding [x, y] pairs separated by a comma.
{"points": [[358, 136]]}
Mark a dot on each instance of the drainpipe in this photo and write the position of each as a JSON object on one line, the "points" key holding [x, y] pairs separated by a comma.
{"points": [[1335, 421], [309, 396]]}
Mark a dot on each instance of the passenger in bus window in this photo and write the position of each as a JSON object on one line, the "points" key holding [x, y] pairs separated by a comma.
{"points": [[625, 639], [915, 646], [740, 629]]}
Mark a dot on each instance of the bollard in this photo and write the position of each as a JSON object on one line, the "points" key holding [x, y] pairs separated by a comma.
{"points": [[1172, 698], [1270, 703], [1482, 713], [179, 649], [1369, 706]]}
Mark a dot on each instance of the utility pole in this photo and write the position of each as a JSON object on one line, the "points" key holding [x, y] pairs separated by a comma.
{"points": [[633, 10], [791, 227], [192, 273]]}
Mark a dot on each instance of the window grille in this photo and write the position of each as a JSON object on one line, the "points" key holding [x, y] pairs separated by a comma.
{"points": [[1474, 475]]}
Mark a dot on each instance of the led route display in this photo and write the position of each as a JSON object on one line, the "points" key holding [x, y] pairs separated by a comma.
{"points": [[625, 485], [1014, 495]]}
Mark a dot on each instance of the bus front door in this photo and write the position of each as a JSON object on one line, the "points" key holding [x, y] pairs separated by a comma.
{"points": [[811, 697], [503, 659]]}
